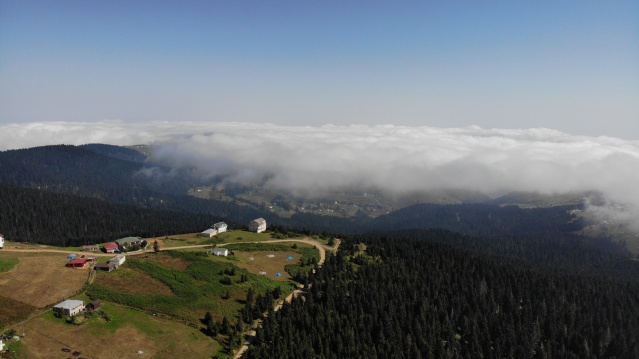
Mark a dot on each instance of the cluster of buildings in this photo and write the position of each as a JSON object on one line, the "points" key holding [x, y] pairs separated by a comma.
{"points": [[120, 245], [81, 262], [123, 244], [74, 307], [257, 225]]}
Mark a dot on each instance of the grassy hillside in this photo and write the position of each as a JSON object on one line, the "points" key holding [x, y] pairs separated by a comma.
{"points": [[196, 283]]}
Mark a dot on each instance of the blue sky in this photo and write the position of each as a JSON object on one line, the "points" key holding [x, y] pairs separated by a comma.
{"points": [[572, 66]]}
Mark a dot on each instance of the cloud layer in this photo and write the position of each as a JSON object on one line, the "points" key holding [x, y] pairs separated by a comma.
{"points": [[391, 158]]}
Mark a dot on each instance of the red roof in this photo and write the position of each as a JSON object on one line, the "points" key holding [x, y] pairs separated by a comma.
{"points": [[77, 261], [111, 246]]}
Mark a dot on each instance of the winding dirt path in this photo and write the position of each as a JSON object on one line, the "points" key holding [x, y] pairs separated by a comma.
{"points": [[320, 247], [250, 335]]}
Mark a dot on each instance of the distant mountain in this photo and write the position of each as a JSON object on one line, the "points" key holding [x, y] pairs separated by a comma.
{"points": [[100, 171], [528, 199], [129, 176], [68, 169], [481, 219]]}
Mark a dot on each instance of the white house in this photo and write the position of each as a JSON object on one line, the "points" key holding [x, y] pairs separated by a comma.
{"points": [[209, 232], [220, 226], [220, 252], [118, 260], [69, 307], [257, 225], [217, 228], [1, 241]]}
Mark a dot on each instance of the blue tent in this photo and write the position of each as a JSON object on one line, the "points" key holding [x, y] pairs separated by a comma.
{"points": [[71, 256], [290, 258], [278, 274]]}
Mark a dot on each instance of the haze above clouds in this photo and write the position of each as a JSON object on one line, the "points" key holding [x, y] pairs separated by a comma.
{"points": [[568, 65]]}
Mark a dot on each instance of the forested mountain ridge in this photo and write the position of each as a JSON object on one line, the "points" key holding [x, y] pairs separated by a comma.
{"points": [[122, 153], [69, 170], [30, 215], [482, 219], [421, 298]]}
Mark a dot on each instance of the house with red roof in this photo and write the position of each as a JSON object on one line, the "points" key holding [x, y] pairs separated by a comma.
{"points": [[110, 247], [77, 263]]}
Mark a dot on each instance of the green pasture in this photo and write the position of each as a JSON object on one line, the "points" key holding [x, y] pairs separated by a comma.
{"points": [[199, 288]]}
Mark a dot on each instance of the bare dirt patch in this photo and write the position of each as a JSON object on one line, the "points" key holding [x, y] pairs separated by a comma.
{"points": [[12, 311], [263, 262], [41, 279], [42, 339], [133, 281], [46, 338]]}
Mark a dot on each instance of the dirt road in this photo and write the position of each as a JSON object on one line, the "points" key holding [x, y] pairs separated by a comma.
{"points": [[320, 247]]}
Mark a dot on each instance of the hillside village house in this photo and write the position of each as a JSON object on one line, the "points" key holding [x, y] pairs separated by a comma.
{"points": [[110, 247], [90, 248], [220, 252], [257, 225], [127, 242], [208, 233], [219, 227], [106, 266], [94, 305], [69, 307], [77, 263], [118, 260]]}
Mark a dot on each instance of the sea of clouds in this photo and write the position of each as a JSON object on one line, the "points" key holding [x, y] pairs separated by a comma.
{"points": [[396, 159]]}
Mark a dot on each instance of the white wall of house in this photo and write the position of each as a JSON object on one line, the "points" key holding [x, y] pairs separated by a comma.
{"points": [[118, 259], [69, 307], [220, 252], [257, 225], [220, 227], [209, 233]]}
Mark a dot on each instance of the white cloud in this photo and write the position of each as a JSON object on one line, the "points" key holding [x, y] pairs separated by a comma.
{"points": [[393, 158]]}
